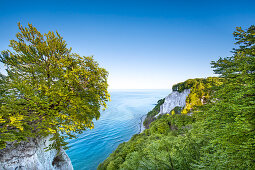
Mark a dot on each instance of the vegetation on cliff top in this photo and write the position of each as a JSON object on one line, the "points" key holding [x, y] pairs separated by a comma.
{"points": [[48, 89], [155, 148], [218, 135], [200, 91], [151, 114]]}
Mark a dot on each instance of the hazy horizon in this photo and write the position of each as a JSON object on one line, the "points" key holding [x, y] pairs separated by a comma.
{"points": [[142, 44]]}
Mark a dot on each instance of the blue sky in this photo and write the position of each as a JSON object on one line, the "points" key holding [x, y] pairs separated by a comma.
{"points": [[143, 44]]}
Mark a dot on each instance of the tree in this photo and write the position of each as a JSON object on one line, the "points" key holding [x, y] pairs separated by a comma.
{"points": [[48, 89], [229, 119]]}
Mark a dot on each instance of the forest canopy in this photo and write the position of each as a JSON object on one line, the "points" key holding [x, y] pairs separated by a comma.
{"points": [[48, 90]]}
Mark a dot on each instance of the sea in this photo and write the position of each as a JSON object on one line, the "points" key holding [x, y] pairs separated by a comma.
{"points": [[117, 124]]}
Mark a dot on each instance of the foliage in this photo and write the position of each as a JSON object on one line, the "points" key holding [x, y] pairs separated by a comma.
{"points": [[176, 110], [199, 94], [155, 148], [151, 114], [219, 135], [196, 83], [48, 89], [229, 119], [200, 91]]}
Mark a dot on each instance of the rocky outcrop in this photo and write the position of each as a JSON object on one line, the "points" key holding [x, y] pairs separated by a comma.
{"points": [[31, 155], [173, 100], [142, 127]]}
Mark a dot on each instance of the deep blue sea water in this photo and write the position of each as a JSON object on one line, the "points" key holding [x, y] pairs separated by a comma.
{"points": [[117, 124]]}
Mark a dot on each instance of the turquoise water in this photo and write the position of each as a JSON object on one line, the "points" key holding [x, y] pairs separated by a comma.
{"points": [[117, 124]]}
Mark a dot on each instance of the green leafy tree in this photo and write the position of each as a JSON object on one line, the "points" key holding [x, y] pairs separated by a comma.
{"points": [[48, 89], [229, 122]]}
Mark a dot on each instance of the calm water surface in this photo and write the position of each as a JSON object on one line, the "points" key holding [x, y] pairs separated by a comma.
{"points": [[117, 124]]}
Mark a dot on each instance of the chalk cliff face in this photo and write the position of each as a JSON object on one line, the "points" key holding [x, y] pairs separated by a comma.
{"points": [[172, 100], [31, 155]]}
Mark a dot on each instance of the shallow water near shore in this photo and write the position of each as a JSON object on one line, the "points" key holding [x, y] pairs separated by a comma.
{"points": [[117, 124]]}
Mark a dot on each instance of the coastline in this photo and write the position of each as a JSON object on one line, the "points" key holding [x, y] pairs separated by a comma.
{"points": [[142, 128]]}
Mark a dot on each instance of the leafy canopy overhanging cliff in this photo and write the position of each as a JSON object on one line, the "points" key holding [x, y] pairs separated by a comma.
{"points": [[218, 135], [48, 89]]}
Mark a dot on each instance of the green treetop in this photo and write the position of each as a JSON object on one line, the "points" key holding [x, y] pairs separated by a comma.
{"points": [[229, 119], [48, 89]]}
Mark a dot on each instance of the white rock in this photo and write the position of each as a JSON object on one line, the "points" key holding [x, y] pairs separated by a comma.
{"points": [[142, 128], [172, 100], [31, 155]]}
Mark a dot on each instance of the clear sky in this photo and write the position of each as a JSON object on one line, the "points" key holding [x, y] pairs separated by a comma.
{"points": [[143, 44]]}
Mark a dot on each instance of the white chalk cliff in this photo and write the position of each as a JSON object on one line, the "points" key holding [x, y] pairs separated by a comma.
{"points": [[172, 100], [31, 155]]}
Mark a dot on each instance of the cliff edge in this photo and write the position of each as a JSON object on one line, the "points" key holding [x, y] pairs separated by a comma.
{"points": [[32, 155], [173, 100]]}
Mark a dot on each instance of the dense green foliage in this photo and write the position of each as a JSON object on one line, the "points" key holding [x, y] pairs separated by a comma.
{"points": [[229, 119], [219, 135], [155, 148], [151, 114], [176, 110], [200, 91], [48, 89]]}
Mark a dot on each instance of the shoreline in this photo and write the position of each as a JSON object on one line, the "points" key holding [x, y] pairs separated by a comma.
{"points": [[142, 128]]}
